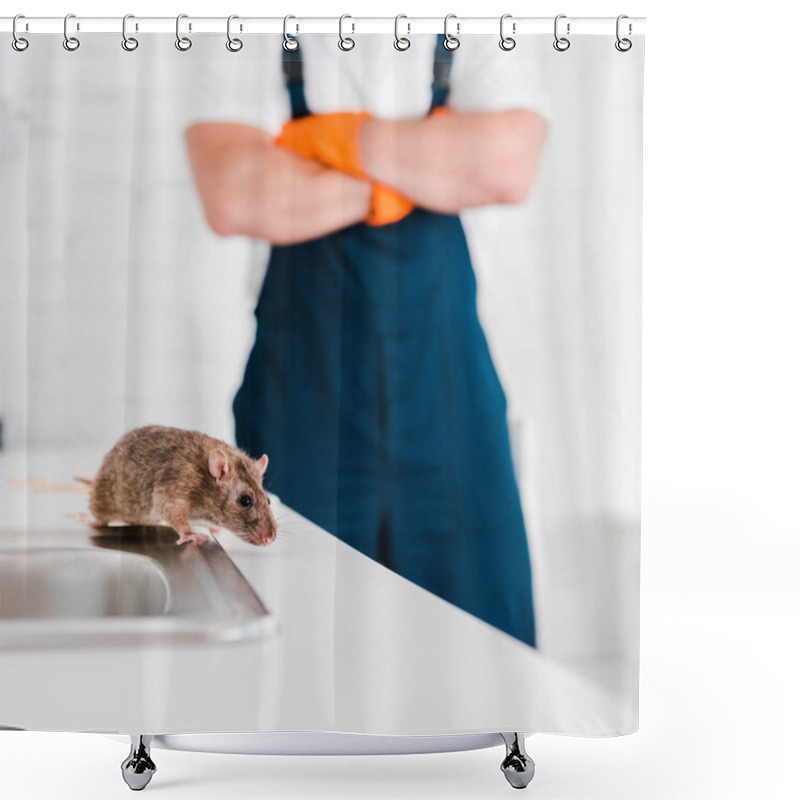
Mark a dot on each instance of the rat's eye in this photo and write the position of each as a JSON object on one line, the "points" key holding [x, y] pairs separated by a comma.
{"points": [[246, 501]]}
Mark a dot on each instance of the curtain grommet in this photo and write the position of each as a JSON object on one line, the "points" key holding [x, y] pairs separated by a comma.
{"points": [[507, 43], [290, 44], [71, 43], [561, 43], [183, 43], [401, 43], [451, 42], [346, 43], [129, 43], [19, 43], [233, 44]]}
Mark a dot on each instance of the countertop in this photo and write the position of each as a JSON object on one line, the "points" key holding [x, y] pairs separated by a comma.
{"points": [[357, 649]]}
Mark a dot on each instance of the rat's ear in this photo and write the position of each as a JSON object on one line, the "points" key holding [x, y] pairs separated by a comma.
{"points": [[261, 464], [218, 464]]}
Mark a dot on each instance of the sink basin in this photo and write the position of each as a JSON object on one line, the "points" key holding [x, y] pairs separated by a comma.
{"points": [[77, 584], [120, 585]]}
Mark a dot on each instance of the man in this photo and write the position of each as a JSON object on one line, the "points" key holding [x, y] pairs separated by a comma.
{"points": [[370, 383]]}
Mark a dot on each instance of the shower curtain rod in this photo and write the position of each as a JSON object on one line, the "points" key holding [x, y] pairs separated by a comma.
{"points": [[516, 26]]}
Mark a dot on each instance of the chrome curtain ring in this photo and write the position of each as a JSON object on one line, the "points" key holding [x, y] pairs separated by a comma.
{"points": [[451, 42], [18, 43], [401, 42], [623, 45], [561, 43], [507, 42], [346, 42], [70, 42], [233, 44], [129, 43], [182, 42], [289, 42]]}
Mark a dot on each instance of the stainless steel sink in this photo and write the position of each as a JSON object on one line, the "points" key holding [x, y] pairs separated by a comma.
{"points": [[48, 583], [86, 587]]}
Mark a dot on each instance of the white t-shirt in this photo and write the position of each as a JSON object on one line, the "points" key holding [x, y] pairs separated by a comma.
{"points": [[373, 77]]}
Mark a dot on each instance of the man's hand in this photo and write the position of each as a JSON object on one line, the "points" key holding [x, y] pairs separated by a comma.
{"points": [[333, 140]]}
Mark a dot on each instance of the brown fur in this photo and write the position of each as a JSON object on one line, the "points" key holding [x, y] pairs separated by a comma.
{"points": [[156, 474]]}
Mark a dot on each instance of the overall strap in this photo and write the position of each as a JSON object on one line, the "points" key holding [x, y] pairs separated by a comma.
{"points": [[292, 61], [442, 64]]}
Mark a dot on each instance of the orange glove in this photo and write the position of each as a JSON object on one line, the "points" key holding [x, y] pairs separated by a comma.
{"points": [[387, 205], [331, 139]]}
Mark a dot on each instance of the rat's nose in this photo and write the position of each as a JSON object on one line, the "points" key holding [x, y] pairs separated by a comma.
{"points": [[268, 537]]}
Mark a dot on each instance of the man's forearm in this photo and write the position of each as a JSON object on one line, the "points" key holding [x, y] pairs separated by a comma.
{"points": [[301, 203], [249, 186], [457, 160]]}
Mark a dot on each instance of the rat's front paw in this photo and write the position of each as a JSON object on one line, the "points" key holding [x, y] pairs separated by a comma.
{"points": [[192, 538]]}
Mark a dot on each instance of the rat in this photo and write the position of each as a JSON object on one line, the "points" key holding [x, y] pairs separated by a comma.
{"points": [[155, 473]]}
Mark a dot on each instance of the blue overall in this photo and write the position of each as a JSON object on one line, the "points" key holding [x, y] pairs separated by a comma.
{"points": [[371, 388]]}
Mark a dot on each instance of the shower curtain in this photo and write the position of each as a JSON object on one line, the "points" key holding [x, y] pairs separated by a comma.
{"points": [[410, 276]]}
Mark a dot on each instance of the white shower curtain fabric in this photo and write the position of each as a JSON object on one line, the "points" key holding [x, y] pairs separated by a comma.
{"points": [[121, 307]]}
